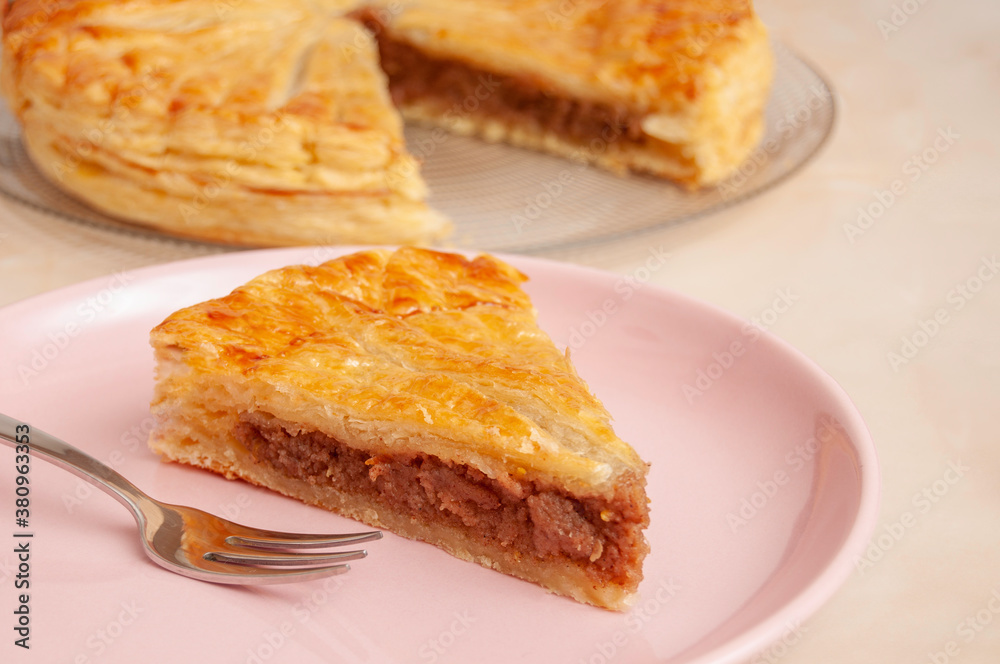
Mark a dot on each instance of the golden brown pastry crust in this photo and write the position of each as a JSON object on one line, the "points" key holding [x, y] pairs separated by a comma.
{"points": [[396, 354], [256, 123]]}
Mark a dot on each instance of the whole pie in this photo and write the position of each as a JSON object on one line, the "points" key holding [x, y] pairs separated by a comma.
{"points": [[261, 122], [414, 391]]}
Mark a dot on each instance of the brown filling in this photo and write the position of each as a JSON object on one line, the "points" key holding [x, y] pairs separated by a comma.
{"points": [[526, 518], [458, 90]]}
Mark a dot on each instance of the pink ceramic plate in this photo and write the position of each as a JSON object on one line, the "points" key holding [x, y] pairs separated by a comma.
{"points": [[764, 485]]}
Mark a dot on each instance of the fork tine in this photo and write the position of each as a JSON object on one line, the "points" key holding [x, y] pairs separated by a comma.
{"points": [[283, 559], [271, 541]]}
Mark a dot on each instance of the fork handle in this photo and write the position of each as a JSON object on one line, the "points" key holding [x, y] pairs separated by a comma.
{"points": [[64, 455]]}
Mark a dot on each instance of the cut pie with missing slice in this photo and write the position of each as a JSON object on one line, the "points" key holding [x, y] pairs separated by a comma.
{"points": [[414, 391], [258, 122]]}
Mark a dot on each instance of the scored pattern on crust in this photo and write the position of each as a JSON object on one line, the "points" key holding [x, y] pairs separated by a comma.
{"points": [[253, 122], [428, 341]]}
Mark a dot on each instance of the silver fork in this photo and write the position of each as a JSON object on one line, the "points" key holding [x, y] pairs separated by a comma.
{"points": [[189, 541]]}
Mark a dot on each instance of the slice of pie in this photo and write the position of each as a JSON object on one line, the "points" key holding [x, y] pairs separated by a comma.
{"points": [[253, 122], [675, 89], [411, 390]]}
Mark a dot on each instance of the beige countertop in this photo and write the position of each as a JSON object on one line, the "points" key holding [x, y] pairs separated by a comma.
{"points": [[889, 241]]}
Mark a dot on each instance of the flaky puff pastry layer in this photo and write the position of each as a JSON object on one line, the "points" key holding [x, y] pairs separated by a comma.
{"points": [[251, 122], [695, 74], [422, 345]]}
